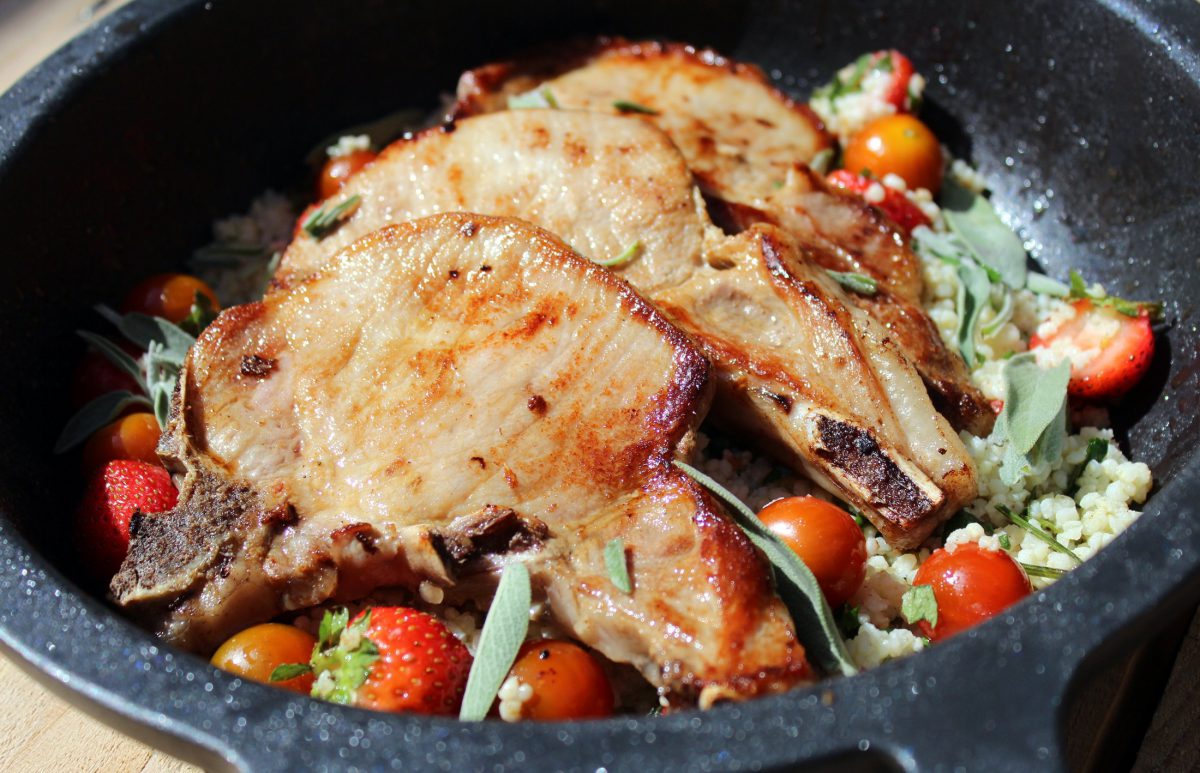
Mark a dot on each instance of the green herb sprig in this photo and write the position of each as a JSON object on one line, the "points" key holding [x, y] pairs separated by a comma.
{"points": [[503, 633], [323, 222], [626, 106], [1040, 533], [855, 283], [617, 565]]}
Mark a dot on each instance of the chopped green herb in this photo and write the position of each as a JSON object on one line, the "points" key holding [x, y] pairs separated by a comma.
{"points": [[201, 315], [1079, 289], [503, 633], [618, 565], [857, 283], [1042, 571], [542, 97], [625, 106], [1005, 542], [815, 624], [1040, 533], [626, 256], [287, 671], [323, 221], [349, 665], [847, 621], [918, 603], [1097, 451]]}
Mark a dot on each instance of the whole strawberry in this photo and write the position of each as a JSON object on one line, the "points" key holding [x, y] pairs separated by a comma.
{"points": [[114, 493], [387, 659]]}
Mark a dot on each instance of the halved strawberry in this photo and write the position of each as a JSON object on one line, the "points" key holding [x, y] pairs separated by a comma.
{"points": [[897, 89], [1111, 350], [113, 494], [902, 211], [387, 659]]}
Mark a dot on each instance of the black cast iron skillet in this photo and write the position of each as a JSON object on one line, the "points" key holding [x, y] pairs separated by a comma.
{"points": [[117, 153]]}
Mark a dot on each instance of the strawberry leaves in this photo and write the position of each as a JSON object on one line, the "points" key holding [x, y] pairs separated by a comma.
{"points": [[341, 660]]}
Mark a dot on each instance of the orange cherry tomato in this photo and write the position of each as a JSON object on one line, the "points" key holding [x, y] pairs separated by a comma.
{"points": [[257, 651], [337, 170], [828, 540], [134, 436], [897, 144], [970, 585], [95, 376], [169, 296], [567, 681]]}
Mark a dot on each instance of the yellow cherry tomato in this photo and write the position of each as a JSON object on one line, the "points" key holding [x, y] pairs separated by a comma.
{"points": [[900, 145], [257, 651]]}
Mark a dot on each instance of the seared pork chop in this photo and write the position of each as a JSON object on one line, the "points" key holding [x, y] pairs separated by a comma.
{"points": [[444, 397], [748, 145], [813, 377]]}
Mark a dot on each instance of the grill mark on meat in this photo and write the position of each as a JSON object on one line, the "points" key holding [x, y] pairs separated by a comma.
{"points": [[454, 273], [468, 229], [362, 533], [854, 450], [256, 366], [479, 460], [536, 405]]}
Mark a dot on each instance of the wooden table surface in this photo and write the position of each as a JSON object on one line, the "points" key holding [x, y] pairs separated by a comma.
{"points": [[1143, 712]]}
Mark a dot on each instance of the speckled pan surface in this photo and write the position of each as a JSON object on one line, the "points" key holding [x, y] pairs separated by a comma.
{"points": [[117, 153]]}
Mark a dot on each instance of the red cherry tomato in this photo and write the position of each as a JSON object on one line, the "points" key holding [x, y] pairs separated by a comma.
{"points": [[567, 681], [826, 538], [257, 651], [971, 584], [1123, 345], [902, 72], [169, 296], [902, 211], [337, 170], [897, 144]]}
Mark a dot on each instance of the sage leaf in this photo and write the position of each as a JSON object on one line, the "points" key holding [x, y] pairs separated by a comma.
{"points": [[91, 417], [918, 603], [617, 565], [1040, 284], [1035, 402], [944, 247], [114, 354], [1001, 318], [974, 292], [991, 242], [815, 623], [503, 634], [142, 329]]}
